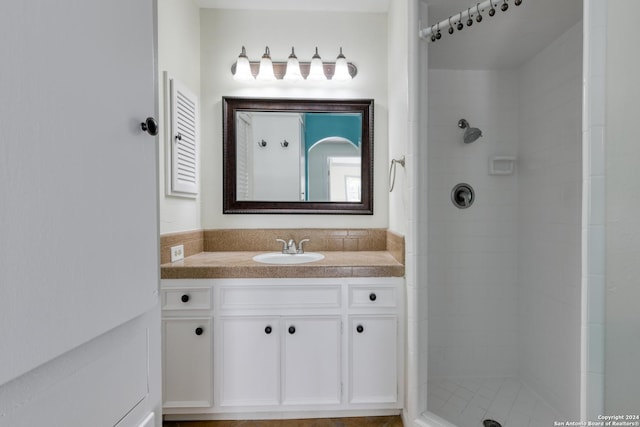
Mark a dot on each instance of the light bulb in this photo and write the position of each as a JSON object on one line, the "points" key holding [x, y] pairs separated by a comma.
{"points": [[316, 70]]}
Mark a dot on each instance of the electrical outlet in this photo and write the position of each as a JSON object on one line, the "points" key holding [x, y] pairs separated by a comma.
{"points": [[177, 253]]}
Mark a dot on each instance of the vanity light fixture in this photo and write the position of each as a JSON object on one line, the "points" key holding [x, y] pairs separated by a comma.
{"points": [[266, 67], [342, 68], [316, 70], [292, 70], [243, 68]]}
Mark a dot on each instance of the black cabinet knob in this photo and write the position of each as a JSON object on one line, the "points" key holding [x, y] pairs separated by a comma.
{"points": [[267, 330], [184, 298], [372, 296], [150, 126], [292, 330], [360, 329], [199, 331]]}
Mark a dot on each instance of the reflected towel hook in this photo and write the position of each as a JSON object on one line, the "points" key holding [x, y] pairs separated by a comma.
{"points": [[392, 172]]}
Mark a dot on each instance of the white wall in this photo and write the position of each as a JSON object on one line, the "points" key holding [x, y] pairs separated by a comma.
{"points": [[622, 322], [179, 55], [363, 37], [398, 86], [549, 221], [472, 301]]}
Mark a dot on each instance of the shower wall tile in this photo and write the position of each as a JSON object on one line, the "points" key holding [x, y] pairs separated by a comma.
{"points": [[472, 267], [593, 229], [549, 218]]}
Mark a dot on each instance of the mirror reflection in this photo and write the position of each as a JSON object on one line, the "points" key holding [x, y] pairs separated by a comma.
{"points": [[306, 156], [297, 156]]}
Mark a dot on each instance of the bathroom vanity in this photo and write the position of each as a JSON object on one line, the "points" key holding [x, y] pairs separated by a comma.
{"points": [[285, 341]]}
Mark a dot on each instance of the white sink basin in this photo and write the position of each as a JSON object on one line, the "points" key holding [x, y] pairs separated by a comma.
{"points": [[287, 259]]}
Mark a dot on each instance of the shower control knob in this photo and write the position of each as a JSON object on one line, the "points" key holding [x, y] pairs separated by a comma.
{"points": [[184, 298], [372, 296], [360, 329]]}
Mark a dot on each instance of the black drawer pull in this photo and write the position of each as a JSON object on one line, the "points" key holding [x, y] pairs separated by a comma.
{"points": [[267, 330], [199, 331], [360, 329], [184, 298], [372, 296], [292, 330]]}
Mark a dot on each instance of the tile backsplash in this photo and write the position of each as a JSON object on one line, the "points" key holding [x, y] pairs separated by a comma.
{"points": [[229, 240]]}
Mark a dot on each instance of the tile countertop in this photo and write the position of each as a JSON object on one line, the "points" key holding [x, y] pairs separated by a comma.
{"points": [[212, 265]]}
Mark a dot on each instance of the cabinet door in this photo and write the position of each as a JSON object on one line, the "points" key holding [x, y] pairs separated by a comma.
{"points": [[373, 360], [250, 367], [188, 365], [311, 363]]}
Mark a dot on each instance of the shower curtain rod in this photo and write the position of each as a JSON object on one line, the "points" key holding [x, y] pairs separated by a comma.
{"points": [[425, 33]]}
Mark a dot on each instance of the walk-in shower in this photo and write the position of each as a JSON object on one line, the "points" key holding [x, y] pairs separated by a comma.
{"points": [[502, 330]]}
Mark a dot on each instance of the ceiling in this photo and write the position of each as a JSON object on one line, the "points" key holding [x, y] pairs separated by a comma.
{"points": [[304, 5], [503, 41]]}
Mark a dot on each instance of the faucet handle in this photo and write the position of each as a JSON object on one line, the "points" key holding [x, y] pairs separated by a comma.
{"points": [[285, 245], [300, 249]]}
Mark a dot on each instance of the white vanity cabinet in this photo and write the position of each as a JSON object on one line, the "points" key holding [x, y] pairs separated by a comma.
{"points": [[373, 359], [312, 360], [300, 347], [280, 361], [187, 343], [373, 344], [249, 356]]}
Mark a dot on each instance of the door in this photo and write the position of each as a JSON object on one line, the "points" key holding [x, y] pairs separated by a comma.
{"points": [[311, 362], [78, 177], [188, 363], [250, 368], [373, 359], [78, 210]]}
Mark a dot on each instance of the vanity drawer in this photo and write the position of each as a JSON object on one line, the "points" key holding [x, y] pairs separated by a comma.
{"points": [[186, 299], [261, 296], [372, 296]]}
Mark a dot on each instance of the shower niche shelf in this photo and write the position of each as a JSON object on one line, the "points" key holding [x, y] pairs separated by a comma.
{"points": [[502, 165]]}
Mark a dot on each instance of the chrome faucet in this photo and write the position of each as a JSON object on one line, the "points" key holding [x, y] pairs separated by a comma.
{"points": [[290, 246]]}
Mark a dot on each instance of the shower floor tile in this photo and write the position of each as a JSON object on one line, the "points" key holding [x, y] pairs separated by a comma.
{"points": [[467, 402]]}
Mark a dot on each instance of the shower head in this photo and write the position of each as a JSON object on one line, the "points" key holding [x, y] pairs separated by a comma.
{"points": [[470, 134]]}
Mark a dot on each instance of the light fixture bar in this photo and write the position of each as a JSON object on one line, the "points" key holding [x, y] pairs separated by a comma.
{"points": [[280, 68]]}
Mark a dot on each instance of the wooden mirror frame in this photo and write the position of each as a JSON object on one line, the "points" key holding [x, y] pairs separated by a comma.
{"points": [[232, 105]]}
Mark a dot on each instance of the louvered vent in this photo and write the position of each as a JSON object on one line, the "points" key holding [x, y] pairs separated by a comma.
{"points": [[184, 136], [243, 157]]}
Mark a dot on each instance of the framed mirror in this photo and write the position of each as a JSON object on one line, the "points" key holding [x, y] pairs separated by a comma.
{"points": [[304, 156]]}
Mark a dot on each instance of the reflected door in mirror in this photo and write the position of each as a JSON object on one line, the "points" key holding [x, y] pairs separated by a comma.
{"points": [[269, 157]]}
